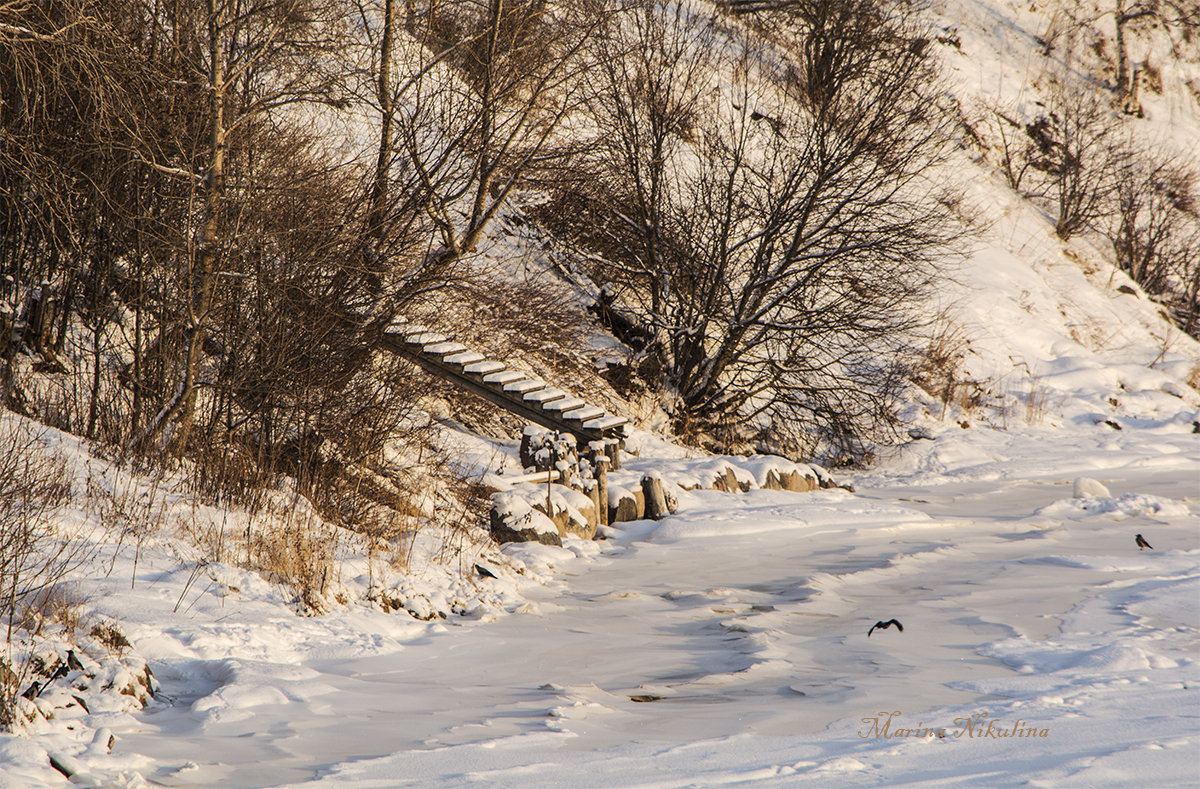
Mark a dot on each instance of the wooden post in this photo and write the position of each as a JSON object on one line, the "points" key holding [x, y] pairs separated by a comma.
{"points": [[613, 450], [656, 500], [600, 464]]}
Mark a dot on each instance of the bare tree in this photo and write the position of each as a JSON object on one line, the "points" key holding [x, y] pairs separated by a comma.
{"points": [[1154, 229], [481, 94], [1176, 14], [1078, 152], [34, 555], [771, 237]]}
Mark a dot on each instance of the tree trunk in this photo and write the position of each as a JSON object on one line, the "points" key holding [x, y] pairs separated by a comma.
{"points": [[377, 209], [181, 407]]}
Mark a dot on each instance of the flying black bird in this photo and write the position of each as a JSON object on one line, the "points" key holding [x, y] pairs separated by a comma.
{"points": [[1141, 542], [885, 626]]}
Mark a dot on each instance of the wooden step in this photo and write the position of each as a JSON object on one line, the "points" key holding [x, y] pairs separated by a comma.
{"points": [[584, 414], [525, 385], [605, 423], [444, 348], [464, 358], [565, 404], [502, 378], [423, 338], [543, 396], [484, 367]]}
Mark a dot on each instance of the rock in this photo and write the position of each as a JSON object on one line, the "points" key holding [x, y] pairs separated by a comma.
{"points": [[729, 483], [1087, 488], [512, 520], [579, 522], [789, 480], [797, 482], [772, 482]]}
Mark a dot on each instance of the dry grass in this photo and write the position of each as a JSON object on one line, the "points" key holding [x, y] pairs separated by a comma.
{"points": [[939, 370], [297, 550], [1193, 378], [1037, 401], [111, 636]]}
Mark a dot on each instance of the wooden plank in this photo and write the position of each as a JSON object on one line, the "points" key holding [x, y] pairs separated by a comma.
{"points": [[483, 368], [605, 423], [527, 385], [503, 378], [587, 412], [543, 396], [565, 404], [464, 358], [443, 348]]}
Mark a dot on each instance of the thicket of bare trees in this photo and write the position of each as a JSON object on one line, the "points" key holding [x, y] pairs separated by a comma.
{"points": [[767, 237], [204, 271], [161, 186], [193, 267]]}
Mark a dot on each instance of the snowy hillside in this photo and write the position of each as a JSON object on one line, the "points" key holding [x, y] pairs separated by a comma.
{"points": [[1050, 429]]}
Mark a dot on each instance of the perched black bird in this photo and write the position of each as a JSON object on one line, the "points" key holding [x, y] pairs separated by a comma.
{"points": [[33, 691], [73, 661], [885, 626], [485, 572], [1141, 542]]}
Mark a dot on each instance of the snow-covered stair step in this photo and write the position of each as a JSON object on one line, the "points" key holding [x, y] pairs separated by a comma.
{"points": [[483, 368], [464, 358], [525, 385], [604, 423], [444, 348], [544, 396], [564, 404], [583, 414], [504, 378], [424, 337]]}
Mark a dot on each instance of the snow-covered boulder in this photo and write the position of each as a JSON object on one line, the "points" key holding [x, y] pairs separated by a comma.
{"points": [[1088, 488], [514, 520]]}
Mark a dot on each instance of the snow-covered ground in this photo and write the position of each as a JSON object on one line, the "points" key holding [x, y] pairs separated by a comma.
{"points": [[727, 643]]}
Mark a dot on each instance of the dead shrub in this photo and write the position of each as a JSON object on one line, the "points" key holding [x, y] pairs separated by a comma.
{"points": [[297, 552], [938, 370], [111, 636]]}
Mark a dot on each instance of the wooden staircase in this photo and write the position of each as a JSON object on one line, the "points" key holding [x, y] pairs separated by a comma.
{"points": [[520, 393]]}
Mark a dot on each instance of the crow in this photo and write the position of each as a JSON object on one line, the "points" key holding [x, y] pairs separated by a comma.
{"points": [[1141, 542], [885, 626]]}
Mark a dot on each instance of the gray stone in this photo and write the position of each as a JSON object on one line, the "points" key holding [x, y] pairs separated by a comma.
{"points": [[507, 527]]}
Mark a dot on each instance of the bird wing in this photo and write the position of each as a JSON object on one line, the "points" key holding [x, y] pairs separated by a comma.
{"points": [[896, 622]]}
